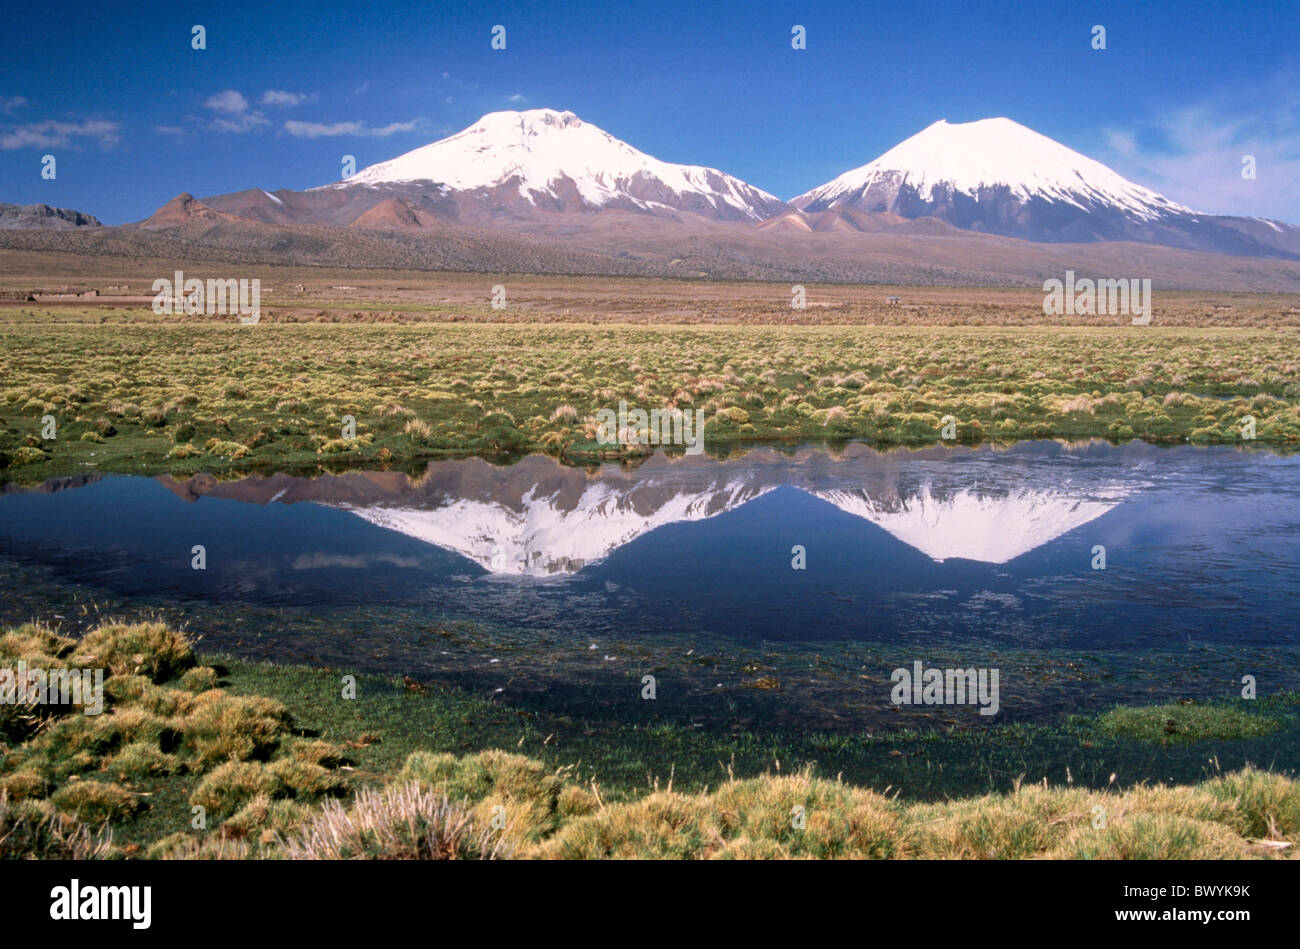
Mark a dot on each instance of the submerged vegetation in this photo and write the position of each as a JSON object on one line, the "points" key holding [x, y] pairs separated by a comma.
{"points": [[186, 762], [1184, 722], [138, 398]]}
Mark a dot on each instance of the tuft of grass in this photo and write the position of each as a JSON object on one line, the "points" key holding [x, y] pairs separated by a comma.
{"points": [[265, 819], [30, 831], [1154, 837], [23, 785], [199, 679], [230, 786], [524, 790], [222, 727], [148, 649], [95, 802], [402, 822], [224, 448], [32, 639], [1262, 804], [139, 691], [141, 760]]}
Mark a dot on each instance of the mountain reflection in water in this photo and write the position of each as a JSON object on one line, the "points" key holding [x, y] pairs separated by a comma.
{"points": [[938, 545], [537, 518]]}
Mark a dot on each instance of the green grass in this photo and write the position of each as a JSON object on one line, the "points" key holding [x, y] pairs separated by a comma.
{"points": [[1184, 722], [213, 397], [277, 757]]}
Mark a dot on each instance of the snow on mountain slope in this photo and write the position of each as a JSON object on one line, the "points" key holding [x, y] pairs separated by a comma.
{"points": [[972, 526], [547, 172], [545, 538], [972, 158], [543, 153]]}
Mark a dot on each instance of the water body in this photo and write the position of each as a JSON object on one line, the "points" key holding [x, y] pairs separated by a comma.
{"points": [[772, 589]]}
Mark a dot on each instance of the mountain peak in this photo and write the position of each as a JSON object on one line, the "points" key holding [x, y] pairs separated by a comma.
{"points": [[530, 119], [183, 209], [552, 159], [956, 163]]}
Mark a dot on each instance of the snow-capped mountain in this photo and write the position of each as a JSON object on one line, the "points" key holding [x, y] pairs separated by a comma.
{"points": [[971, 525], [985, 158], [545, 160], [549, 532], [545, 535], [539, 519], [599, 204], [997, 176]]}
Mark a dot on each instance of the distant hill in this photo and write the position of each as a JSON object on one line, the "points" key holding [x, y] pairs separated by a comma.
{"points": [[42, 217], [628, 244]]}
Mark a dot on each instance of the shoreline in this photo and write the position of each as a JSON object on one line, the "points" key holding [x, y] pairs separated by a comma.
{"points": [[291, 742]]}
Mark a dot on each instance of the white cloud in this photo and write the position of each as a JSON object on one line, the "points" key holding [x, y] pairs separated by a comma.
{"points": [[241, 123], [1194, 153], [54, 134], [518, 98], [9, 104], [229, 102], [1122, 143], [278, 97], [233, 114], [360, 129]]}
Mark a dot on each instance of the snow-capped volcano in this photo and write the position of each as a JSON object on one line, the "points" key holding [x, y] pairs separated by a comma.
{"points": [[997, 176], [539, 518], [543, 159], [601, 204], [968, 524], [546, 536], [975, 159]]}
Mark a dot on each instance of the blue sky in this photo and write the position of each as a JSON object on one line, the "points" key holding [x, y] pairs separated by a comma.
{"points": [[134, 116]]}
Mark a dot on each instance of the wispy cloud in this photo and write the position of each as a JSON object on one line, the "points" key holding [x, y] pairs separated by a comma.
{"points": [[233, 113], [278, 97], [517, 97], [1194, 154], [55, 134], [8, 104], [356, 129]]}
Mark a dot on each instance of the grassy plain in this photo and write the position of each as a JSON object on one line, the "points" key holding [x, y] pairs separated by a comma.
{"points": [[153, 396], [425, 366]]}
